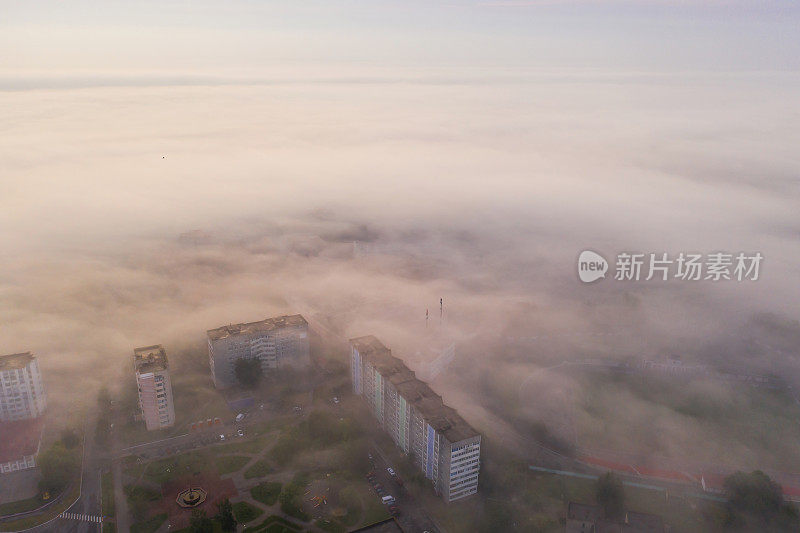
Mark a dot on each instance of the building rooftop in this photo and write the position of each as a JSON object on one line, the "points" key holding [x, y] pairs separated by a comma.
{"points": [[20, 438], [368, 344], [442, 418], [265, 325], [150, 359], [15, 361]]}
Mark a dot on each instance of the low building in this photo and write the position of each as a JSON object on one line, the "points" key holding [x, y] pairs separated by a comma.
{"points": [[20, 443], [444, 447], [276, 342], [154, 386], [22, 394]]}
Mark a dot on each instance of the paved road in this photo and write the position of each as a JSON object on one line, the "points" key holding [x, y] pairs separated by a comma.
{"points": [[412, 517], [89, 501]]}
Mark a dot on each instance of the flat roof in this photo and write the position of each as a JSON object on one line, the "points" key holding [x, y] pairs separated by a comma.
{"points": [[268, 324], [150, 359], [20, 438], [443, 419], [16, 361]]}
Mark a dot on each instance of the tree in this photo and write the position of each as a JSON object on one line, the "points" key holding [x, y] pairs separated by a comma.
{"points": [[755, 502], [57, 466], [69, 438], [611, 495], [200, 523], [225, 515], [248, 372]]}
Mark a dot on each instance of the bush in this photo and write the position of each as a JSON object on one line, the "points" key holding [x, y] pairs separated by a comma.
{"points": [[57, 465], [244, 512]]}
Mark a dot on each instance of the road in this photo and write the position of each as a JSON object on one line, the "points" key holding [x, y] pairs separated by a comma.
{"points": [[88, 504], [412, 517]]}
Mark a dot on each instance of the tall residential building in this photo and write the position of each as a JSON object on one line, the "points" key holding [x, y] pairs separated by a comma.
{"points": [[21, 392], [444, 447], [155, 388], [276, 342]]}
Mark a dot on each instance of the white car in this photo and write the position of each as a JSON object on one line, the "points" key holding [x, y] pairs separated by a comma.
{"points": [[391, 471], [221, 436], [240, 433], [240, 417]]}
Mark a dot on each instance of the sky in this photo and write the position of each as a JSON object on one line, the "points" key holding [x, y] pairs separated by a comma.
{"points": [[473, 149]]}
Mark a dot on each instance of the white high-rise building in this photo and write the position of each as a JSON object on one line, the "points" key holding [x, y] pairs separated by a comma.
{"points": [[275, 342], [154, 386], [443, 445], [22, 394]]}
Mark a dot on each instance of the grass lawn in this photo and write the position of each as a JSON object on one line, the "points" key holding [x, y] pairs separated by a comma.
{"points": [[244, 512], [107, 488], [21, 506], [150, 525], [276, 524], [227, 464], [163, 470], [26, 523], [258, 470], [267, 492]]}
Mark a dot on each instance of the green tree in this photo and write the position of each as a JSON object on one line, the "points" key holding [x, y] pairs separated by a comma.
{"points": [[200, 522], [225, 515], [611, 495], [755, 502], [248, 372], [57, 465], [69, 438]]}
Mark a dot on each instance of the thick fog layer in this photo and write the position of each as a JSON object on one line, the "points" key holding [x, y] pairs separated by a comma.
{"points": [[149, 214]]}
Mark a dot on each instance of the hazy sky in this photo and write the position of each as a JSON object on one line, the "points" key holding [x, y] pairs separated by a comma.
{"points": [[256, 37]]}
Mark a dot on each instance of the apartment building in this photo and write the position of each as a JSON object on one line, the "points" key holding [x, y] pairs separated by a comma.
{"points": [[276, 342], [154, 386], [444, 447], [22, 395]]}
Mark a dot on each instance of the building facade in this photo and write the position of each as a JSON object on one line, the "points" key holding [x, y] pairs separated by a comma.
{"points": [[275, 342], [441, 443], [22, 395], [154, 386]]}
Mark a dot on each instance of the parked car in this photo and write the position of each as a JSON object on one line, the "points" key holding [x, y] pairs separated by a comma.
{"points": [[388, 499], [221, 436], [240, 432], [391, 471]]}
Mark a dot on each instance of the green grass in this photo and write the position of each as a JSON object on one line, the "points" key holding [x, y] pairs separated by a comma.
{"points": [[163, 470], [244, 512], [267, 492], [150, 525], [276, 524], [21, 506], [227, 464], [330, 525], [26, 523], [140, 493], [258, 470], [107, 488]]}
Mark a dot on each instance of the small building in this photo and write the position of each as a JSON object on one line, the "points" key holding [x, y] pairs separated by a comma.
{"points": [[274, 342], [20, 443], [154, 386], [22, 394]]}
